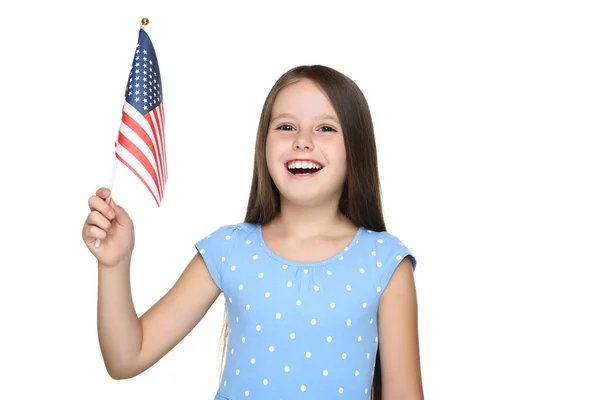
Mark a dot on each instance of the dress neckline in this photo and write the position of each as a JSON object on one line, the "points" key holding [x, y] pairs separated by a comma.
{"points": [[327, 261]]}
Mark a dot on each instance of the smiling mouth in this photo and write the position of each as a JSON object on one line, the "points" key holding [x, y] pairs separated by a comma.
{"points": [[303, 168]]}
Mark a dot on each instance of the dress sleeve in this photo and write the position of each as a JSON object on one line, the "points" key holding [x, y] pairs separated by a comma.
{"points": [[390, 251], [215, 249]]}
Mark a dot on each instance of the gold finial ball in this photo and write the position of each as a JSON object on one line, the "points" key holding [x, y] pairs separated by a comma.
{"points": [[145, 21]]}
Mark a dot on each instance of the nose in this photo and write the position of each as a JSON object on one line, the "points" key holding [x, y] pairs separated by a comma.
{"points": [[303, 142]]}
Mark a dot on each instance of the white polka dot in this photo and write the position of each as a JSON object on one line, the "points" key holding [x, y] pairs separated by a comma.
{"points": [[346, 249], [298, 303], [261, 275], [313, 321], [237, 371], [289, 283], [271, 348], [341, 390], [365, 390], [230, 300], [368, 355], [265, 382], [329, 272], [232, 350], [379, 241], [362, 271], [223, 259], [373, 253], [293, 335], [357, 242], [316, 288], [268, 294], [359, 338], [348, 287], [202, 251], [342, 257], [369, 231], [398, 257], [371, 321], [233, 267], [344, 356], [303, 388], [378, 288], [247, 393], [209, 235], [254, 257], [277, 316], [253, 360], [227, 237], [332, 304], [379, 264], [286, 368], [305, 271], [376, 339], [285, 267], [349, 322], [364, 305], [356, 373], [325, 372], [329, 339], [258, 327], [237, 319], [248, 242], [247, 307], [241, 287], [243, 339], [224, 383], [308, 354]]}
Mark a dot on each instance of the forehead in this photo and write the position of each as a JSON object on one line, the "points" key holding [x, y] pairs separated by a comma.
{"points": [[304, 99]]}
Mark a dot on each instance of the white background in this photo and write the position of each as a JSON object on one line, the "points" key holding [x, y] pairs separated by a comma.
{"points": [[486, 120]]}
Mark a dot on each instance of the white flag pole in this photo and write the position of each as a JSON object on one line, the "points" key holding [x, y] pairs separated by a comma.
{"points": [[110, 187]]}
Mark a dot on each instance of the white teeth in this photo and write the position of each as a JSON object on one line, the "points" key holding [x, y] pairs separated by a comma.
{"points": [[303, 165]]}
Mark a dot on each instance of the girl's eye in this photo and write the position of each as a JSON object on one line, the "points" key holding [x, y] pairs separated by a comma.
{"points": [[283, 126], [332, 130]]}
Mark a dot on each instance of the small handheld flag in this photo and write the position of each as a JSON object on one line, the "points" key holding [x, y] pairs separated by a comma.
{"points": [[140, 145]]}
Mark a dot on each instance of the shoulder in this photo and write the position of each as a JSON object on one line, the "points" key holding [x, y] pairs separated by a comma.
{"points": [[390, 252]]}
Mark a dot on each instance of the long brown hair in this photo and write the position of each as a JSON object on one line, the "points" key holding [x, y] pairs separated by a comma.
{"points": [[361, 198]]}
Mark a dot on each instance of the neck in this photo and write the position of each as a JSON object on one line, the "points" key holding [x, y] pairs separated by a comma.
{"points": [[309, 221]]}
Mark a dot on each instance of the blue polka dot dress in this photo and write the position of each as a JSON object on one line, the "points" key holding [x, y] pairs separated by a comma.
{"points": [[299, 330]]}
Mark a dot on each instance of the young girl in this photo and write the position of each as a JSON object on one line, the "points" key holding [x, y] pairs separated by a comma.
{"points": [[320, 299]]}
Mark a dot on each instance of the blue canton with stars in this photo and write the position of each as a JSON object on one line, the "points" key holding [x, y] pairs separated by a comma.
{"points": [[144, 89]]}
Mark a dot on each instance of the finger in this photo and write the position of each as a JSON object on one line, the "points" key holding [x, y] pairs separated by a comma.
{"points": [[98, 204], [103, 193], [93, 233], [99, 220]]}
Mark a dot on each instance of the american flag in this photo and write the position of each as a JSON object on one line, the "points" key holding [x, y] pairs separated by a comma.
{"points": [[140, 145]]}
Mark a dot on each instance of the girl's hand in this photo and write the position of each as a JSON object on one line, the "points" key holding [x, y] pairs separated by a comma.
{"points": [[112, 225]]}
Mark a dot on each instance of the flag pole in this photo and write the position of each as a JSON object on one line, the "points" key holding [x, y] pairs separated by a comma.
{"points": [[110, 187], [111, 183]]}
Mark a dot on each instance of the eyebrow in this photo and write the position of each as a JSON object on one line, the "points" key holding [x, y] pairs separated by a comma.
{"points": [[324, 116]]}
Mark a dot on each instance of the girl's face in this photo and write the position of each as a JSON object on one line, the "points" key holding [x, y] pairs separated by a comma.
{"points": [[305, 149]]}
